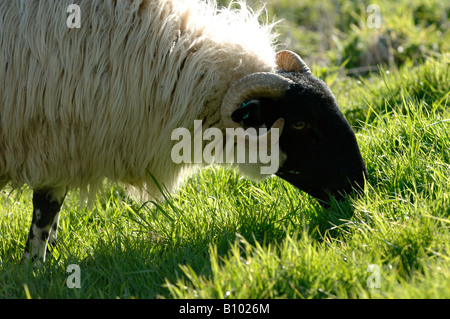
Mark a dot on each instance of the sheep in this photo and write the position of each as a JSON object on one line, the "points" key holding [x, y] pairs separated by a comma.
{"points": [[81, 105]]}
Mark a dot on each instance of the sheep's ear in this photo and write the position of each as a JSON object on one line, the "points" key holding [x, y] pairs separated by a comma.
{"points": [[249, 113], [291, 62]]}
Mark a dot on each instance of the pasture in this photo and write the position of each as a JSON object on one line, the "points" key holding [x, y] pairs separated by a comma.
{"points": [[223, 236]]}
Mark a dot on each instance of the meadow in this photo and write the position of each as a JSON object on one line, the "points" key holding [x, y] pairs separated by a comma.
{"points": [[223, 236]]}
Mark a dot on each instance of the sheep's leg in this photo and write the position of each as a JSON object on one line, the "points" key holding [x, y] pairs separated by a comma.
{"points": [[44, 225]]}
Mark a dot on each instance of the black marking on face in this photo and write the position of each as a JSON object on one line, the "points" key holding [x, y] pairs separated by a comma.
{"points": [[250, 114], [322, 156]]}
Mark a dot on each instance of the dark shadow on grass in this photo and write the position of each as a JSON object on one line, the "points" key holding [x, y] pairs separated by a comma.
{"points": [[140, 267], [129, 264], [329, 222], [134, 269]]}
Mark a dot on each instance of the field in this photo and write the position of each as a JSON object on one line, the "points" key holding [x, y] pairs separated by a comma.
{"points": [[223, 236]]}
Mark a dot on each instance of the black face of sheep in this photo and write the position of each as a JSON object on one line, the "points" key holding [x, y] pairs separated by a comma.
{"points": [[322, 154]]}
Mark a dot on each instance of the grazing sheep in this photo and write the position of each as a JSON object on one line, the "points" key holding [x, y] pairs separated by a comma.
{"points": [[81, 105]]}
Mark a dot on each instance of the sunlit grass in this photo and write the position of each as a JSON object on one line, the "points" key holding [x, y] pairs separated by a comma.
{"points": [[223, 236]]}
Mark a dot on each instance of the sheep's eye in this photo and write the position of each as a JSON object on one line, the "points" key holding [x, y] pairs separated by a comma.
{"points": [[300, 125]]}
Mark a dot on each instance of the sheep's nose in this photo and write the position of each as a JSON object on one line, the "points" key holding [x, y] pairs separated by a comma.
{"points": [[354, 183]]}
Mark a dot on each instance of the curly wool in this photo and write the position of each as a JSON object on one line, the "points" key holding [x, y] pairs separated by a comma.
{"points": [[81, 105]]}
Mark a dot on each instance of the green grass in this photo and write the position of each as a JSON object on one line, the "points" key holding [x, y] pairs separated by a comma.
{"points": [[222, 236]]}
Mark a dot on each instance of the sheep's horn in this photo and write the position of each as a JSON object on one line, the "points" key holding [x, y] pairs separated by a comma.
{"points": [[291, 62], [255, 85]]}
